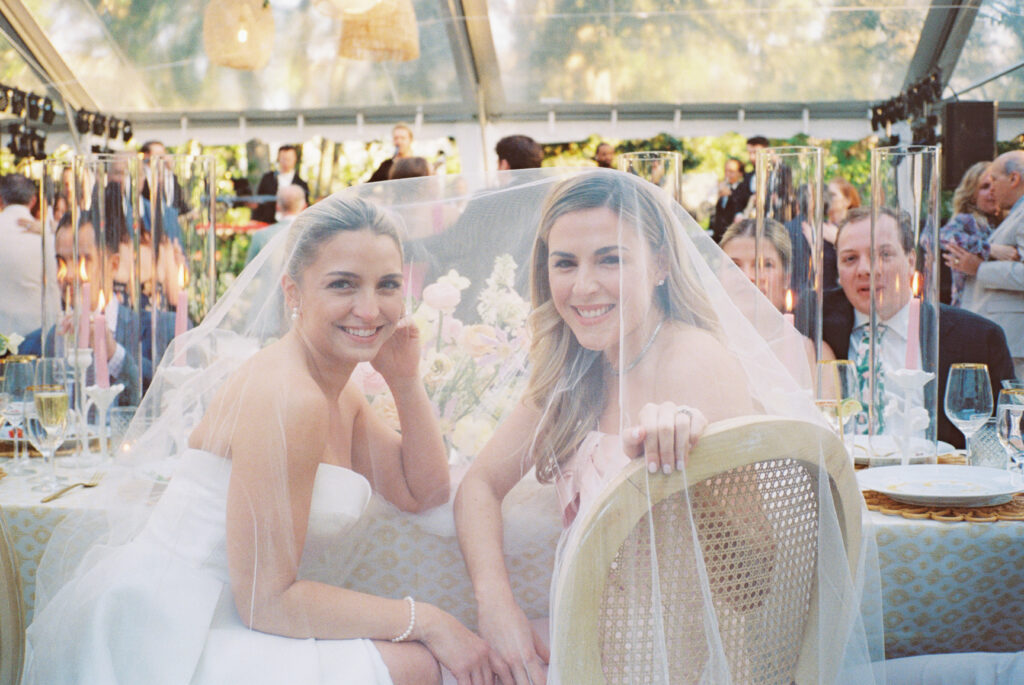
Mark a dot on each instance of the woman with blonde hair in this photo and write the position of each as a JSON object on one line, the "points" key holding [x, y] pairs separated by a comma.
{"points": [[975, 214], [638, 342]]}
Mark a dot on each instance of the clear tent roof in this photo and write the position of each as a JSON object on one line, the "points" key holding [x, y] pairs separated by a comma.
{"points": [[137, 57]]}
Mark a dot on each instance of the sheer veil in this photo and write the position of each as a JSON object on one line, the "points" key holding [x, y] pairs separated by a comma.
{"points": [[487, 349]]}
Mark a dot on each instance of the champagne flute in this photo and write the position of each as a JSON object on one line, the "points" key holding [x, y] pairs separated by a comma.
{"points": [[968, 401], [17, 380], [838, 393], [49, 418]]}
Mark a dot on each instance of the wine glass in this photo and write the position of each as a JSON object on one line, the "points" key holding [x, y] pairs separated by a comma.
{"points": [[17, 380], [1009, 417], [48, 420], [838, 393], [968, 401]]}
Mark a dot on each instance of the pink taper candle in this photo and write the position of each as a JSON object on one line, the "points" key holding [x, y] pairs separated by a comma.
{"points": [[181, 310], [913, 326], [100, 346]]}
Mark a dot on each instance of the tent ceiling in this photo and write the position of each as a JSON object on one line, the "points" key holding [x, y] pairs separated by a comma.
{"points": [[143, 59]]}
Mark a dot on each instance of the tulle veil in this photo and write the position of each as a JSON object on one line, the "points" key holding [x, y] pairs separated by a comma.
{"points": [[469, 243]]}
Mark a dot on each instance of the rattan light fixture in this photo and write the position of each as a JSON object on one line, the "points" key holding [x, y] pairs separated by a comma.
{"points": [[385, 33], [339, 8], [238, 33]]}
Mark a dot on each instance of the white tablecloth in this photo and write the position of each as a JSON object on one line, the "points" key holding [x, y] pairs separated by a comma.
{"points": [[947, 587]]}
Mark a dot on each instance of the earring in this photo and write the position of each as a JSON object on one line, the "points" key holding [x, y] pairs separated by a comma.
{"points": [[295, 313], [661, 282]]}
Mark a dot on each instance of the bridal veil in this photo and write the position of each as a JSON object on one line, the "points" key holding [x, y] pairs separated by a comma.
{"points": [[485, 346]]}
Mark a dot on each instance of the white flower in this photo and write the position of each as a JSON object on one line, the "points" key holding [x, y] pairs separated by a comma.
{"points": [[471, 434], [453, 278], [10, 343]]}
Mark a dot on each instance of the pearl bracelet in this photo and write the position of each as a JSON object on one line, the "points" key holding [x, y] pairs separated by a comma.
{"points": [[412, 621]]}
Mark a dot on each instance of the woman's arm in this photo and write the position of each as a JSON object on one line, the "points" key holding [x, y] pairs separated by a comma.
{"points": [[499, 466], [409, 470]]}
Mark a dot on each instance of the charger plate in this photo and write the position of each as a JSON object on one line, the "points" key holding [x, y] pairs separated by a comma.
{"points": [[943, 485]]}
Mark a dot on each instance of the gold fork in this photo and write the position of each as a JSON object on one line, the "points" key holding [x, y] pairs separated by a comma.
{"points": [[91, 483]]}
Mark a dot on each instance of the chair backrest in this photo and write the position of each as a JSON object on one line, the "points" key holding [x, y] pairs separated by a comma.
{"points": [[753, 489], [12, 615]]}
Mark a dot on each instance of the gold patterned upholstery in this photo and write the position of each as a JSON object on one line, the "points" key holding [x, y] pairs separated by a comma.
{"points": [[12, 617], [753, 494]]}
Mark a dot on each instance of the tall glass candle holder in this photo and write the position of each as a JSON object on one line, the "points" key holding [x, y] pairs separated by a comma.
{"points": [[788, 243], [98, 239], [902, 356], [178, 209], [662, 168], [55, 188]]}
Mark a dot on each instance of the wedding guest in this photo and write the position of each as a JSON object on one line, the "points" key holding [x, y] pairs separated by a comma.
{"points": [[287, 174], [612, 302], [975, 214], [21, 258], [997, 289], [733, 194], [604, 155], [754, 143], [290, 202], [401, 138], [409, 167], [209, 590], [962, 336], [739, 244], [842, 196]]}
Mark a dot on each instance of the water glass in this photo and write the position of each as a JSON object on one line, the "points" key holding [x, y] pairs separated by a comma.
{"points": [[838, 392], [120, 419], [1009, 420], [17, 381], [968, 401], [985, 448]]}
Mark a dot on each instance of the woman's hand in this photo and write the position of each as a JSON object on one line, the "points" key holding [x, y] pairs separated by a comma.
{"points": [[399, 357], [959, 259], [1004, 253], [665, 436], [459, 649], [521, 655]]}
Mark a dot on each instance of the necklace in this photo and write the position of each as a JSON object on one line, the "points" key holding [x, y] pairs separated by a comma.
{"points": [[646, 347]]}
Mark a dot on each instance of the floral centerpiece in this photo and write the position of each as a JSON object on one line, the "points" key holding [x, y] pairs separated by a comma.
{"points": [[9, 344], [473, 373]]}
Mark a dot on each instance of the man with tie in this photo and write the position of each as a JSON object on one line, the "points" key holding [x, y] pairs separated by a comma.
{"points": [[733, 194], [963, 336]]}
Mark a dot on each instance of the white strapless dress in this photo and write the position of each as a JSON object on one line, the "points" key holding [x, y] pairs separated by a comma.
{"points": [[159, 609]]}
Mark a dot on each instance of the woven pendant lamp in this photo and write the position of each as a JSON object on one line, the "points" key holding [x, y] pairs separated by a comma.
{"points": [[238, 33], [386, 33], [339, 8]]}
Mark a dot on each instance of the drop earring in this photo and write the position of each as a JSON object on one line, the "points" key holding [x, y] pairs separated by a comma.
{"points": [[295, 313]]}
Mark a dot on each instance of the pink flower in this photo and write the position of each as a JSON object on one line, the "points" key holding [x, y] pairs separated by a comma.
{"points": [[443, 297], [368, 378]]}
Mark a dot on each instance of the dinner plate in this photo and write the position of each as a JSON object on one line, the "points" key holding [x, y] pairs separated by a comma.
{"points": [[883, 450], [943, 484]]}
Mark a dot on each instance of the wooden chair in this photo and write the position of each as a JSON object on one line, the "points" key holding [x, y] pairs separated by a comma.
{"points": [[12, 615], [753, 491]]}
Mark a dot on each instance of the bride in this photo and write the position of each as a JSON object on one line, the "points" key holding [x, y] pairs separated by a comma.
{"points": [[209, 591]]}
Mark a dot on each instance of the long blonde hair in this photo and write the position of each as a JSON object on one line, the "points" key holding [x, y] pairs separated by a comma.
{"points": [[566, 380], [965, 193]]}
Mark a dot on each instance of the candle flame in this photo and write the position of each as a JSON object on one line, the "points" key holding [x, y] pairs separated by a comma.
{"points": [[181, 276], [81, 270], [62, 271], [102, 306], [789, 301], [915, 285]]}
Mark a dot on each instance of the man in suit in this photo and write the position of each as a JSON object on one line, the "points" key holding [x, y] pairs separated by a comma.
{"points": [[21, 259], [129, 336], [754, 144], [401, 138], [604, 155], [287, 174], [290, 202], [733, 194], [963, 336], [996, 290]]}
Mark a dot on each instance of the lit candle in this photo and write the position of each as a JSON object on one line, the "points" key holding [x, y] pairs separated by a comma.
{"points": [[181, 313], [86, 303], [100, 345], [913, 325], [788, 316]]}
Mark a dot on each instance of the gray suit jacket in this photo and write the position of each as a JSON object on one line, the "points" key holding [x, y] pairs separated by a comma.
{"points": [[997, 291]]}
